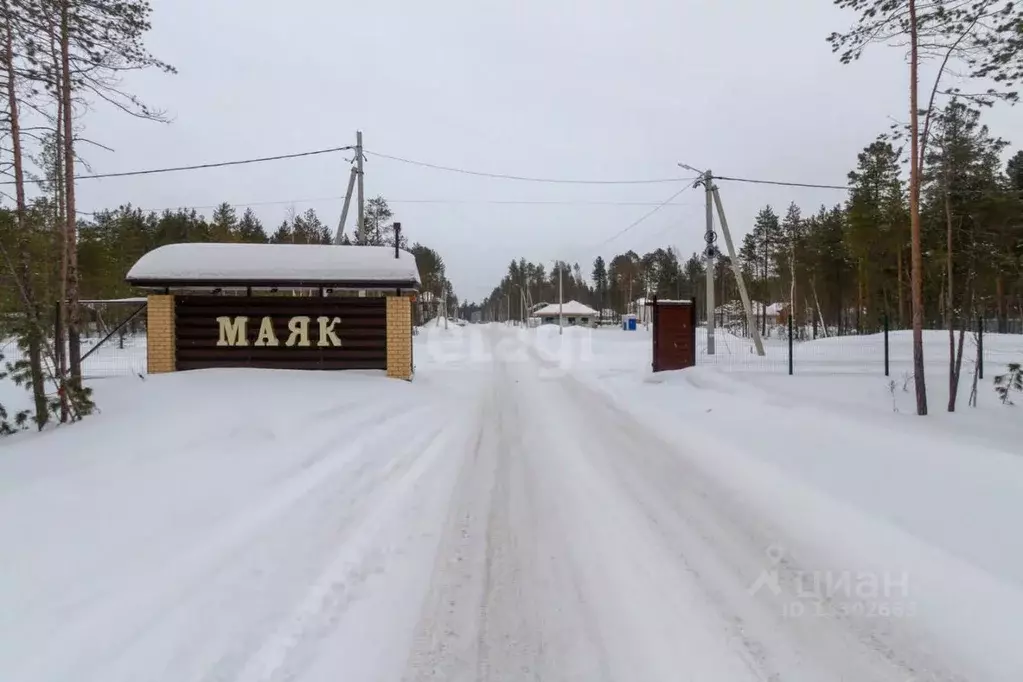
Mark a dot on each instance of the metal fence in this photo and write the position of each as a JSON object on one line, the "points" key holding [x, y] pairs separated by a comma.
{"points": [[112, 342], [885, 353]]}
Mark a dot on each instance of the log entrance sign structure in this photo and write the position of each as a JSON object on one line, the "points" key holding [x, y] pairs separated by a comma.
{"points": [[674, 334], [278, 306]]}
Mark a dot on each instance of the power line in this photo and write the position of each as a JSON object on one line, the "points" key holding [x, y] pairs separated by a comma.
{"points": [[521, 178], [781, 183], [646, 215], [459, 202], [847, 188], [220, 164]]}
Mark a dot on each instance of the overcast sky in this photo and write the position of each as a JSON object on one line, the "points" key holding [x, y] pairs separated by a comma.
{"points": [[604, 89]]}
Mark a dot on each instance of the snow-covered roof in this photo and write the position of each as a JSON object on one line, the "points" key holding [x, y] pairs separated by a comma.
{"points": [[97, 301], [205, 264], [568, 308]]}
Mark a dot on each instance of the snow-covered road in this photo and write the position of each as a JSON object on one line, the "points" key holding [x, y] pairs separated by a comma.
{"points": [[500, 520]]}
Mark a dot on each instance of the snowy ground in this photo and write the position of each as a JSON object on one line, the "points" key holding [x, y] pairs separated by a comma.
{"points": [[531, 507]]}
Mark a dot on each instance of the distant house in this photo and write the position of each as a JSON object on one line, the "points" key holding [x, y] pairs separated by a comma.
{"points": [[732, 312], [573, 313], [640, 310]]}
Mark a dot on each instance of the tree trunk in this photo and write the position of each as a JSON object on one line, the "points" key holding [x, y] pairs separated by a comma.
{"points": [[976, 372], [60, 341], [958, 364], [23, 239], [71, 235], [953, 378], [916, 260]]}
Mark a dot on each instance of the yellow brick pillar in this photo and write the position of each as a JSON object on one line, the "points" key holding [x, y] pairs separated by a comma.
{"points": [[160, 346], [399, 337]]}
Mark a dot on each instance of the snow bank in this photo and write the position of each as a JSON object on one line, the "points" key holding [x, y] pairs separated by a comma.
{"points": [[219, 523]]}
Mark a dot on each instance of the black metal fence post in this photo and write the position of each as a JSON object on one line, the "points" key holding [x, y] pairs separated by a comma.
{"points": [[790, 343], [886, 344], [980, 346], [56, 320]]}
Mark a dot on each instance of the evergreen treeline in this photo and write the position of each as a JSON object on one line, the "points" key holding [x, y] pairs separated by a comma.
{"points": [[110, 242]]}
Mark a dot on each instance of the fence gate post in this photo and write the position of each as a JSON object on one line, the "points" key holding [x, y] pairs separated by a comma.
{"points": [[886, 344], [790, 342], [655, 313]]}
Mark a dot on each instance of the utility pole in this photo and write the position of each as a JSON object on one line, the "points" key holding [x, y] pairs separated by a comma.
{"points": [[362, 205], [344, 209], [710, 251]]}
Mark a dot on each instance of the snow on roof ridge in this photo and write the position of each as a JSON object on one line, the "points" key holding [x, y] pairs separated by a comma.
{"points": [[572, 307], [312, 263]]}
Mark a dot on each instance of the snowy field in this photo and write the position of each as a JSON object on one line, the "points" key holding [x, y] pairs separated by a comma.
{"points": [[533, 506]]}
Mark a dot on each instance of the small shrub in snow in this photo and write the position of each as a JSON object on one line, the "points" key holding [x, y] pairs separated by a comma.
{"points": [[906, 379], [891, 389], [1011, 381]]}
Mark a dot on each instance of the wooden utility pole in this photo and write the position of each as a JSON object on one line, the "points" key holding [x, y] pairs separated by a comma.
{"points": [[362, 204]]}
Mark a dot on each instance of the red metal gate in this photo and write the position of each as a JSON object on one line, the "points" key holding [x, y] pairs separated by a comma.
{"points": [[674, 334]]}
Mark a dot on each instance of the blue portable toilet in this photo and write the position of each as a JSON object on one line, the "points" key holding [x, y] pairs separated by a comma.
{"points": [[632, 324]]}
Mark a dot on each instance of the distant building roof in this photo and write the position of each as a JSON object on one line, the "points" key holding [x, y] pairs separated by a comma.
{"points": [[569, 308], [280, 265]]}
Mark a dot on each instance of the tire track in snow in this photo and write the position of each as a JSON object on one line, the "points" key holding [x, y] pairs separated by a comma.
{"points": [[723, 546], [289, 648], [505, 601], [444, 645], [150, 598]]}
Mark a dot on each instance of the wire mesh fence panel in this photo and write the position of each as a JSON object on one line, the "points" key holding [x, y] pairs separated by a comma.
{"points": [[119, 356], [113, 339], [855, 353]]}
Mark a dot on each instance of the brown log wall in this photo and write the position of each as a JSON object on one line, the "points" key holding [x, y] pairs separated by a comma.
{"points": [[361, 330]]}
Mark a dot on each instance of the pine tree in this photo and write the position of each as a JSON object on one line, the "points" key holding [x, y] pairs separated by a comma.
{"points": [[250, 229], [599, 276], [224, 224], [283, 235], [876, 218], [379, 228]]}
